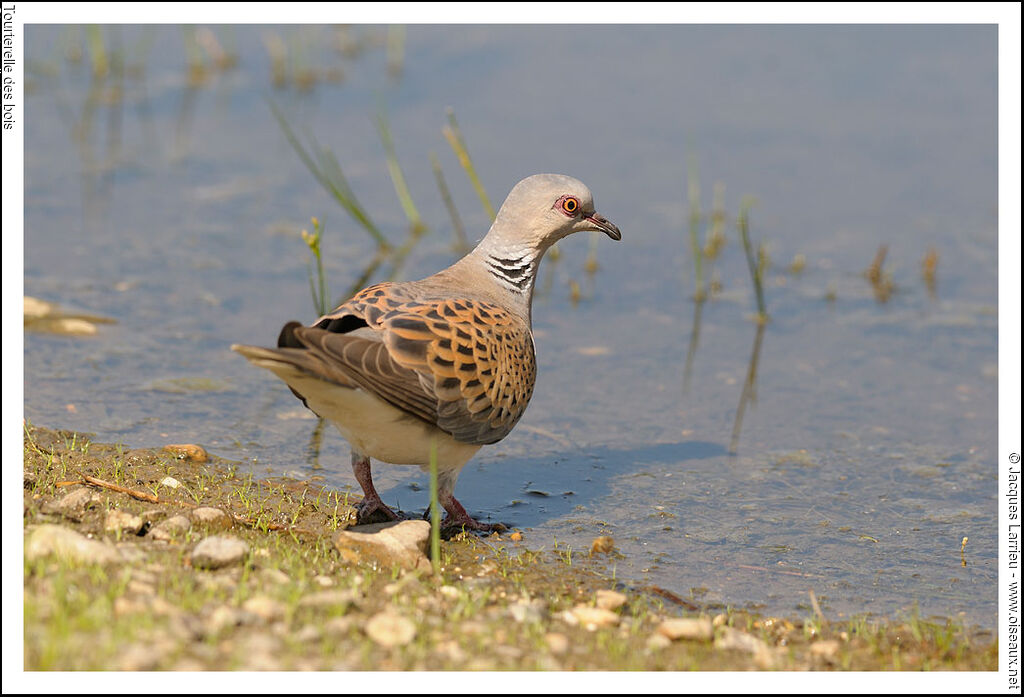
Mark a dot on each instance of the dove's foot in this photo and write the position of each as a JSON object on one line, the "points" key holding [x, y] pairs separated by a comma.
{"points": [[458, 519]]}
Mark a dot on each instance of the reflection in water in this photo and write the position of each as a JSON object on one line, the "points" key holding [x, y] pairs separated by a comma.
{"points": [[749, 393], [316, 439], [691, 349]]}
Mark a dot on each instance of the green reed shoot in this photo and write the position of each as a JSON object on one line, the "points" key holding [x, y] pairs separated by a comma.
{"points": [[397, 177], [318, 289], [193, 56], [693, 188], [756, 265], [454, 137], [324, 167], [97, 50], [461, 244], [435, 513], [395, 49], [715, 240]]}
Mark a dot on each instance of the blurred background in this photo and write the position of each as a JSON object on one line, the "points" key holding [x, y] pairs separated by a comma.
{"points": [[782, 379]]}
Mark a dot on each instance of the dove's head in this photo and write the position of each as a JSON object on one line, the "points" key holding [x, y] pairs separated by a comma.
{"points": [[544, 208]]}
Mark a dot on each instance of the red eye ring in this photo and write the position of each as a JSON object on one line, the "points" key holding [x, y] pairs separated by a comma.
{"points": [[571, 205]]}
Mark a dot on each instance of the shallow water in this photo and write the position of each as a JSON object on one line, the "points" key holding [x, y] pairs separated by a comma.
{"points": [[868, 449]]}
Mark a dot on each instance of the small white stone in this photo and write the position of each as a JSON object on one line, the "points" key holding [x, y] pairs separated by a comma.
{"points": [[390, 629], [692, 628], [171, 528], [212, 518], [120, 521], [450, 592], [219, 551], [594, 617], [264, 607], [170, 482], [68, 544], [610, 600], [558, 643]]}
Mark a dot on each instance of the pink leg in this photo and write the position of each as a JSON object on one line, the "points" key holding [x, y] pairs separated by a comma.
{"points": [[371, 509], [458, 517]]}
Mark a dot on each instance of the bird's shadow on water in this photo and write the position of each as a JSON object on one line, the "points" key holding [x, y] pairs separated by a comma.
{"points": [[525, 492]]}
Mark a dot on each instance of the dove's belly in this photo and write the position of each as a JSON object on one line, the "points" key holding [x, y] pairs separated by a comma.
{"points": [[377, 429]]}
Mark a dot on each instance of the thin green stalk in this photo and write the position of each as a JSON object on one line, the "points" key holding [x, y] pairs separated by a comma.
{"points": [[435, 513], [446, 196], [756, 267], [326, 170], [693, 186], [454, 137], [97, 50], [397, 177], [318, 289], [396, 49]]}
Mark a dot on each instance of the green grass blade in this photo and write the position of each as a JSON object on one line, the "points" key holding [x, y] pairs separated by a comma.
{"points": [[435, 514], [397, 177], [454, 137]]}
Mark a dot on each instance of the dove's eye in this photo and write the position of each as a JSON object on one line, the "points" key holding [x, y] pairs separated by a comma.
{"points": [[571, 205]]}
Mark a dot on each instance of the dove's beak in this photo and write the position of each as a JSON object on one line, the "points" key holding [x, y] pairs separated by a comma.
{"points": [[604, 225]]}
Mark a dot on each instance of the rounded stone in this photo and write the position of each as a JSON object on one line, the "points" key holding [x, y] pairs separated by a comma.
{"points": [[211, 518], [171, 528], [692, 628], [610, 600], [120, 521], [390, 629], [594, 617], [219, 551], [68, 544]]}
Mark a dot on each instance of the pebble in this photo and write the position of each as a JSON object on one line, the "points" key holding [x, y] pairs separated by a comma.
{"points": [[275, 576], [170, 528], [170, 482], [264, 607], [211, 518], [189, 451], [78, 501], [219, 551], [826, 650], [764, 656], [594, 617], [390, 629], [323, 581], [324, 599], [139, 657], [68, 544], [610, 600], [558, 643], [526, 612], [692, 628], [403, 543], [734, 639], [223, 617], [568, 617], [658, 641], [120, 521], [450, 592], [307, 634]]}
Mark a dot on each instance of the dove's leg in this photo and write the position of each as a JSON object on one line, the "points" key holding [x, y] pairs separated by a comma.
{"points": [[457, 516], [371, 509]]}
